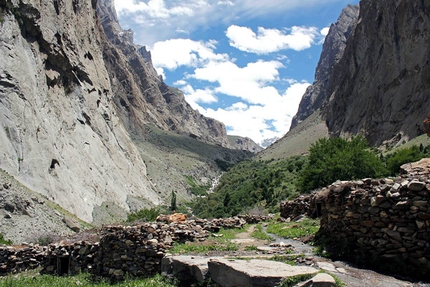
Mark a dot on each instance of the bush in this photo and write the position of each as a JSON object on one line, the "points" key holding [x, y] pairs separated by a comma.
{"points": [[339, 159], [145, 214], [403, 156], [251, 185]]}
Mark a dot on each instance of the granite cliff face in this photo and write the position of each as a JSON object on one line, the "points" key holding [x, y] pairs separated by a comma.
{"points": [[78, 106], [374, 73], [61, 134], [381, 86]]}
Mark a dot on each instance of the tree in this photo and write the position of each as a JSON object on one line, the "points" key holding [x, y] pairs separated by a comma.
{"points": [[339, 159]]}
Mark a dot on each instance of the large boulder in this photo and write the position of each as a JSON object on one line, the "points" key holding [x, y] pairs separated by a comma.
{"points": [[255, 272]]}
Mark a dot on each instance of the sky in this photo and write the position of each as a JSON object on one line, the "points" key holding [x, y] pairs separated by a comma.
{"points": [[246, 63]]}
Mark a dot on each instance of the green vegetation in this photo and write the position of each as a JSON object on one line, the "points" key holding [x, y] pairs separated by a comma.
{"points": [[251, 183], [145, 214], [260, 234], [294, 229], [220, 241], [339, 159], [4, 241], [294, 280], [405, 155], [84, 280], [196, 189]]}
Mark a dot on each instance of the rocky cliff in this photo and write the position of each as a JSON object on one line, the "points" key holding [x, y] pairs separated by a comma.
{"points": [[380, 87], [332, 52], [373, 76], [141, 95], [77, 98]]}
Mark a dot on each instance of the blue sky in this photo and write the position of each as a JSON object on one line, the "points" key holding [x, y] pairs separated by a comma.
{"points": [[245, 63]]}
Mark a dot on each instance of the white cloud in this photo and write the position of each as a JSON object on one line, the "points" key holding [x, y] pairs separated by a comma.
{"points": [[260, 121], [173, 53], [194, 97], [159, 20], [324, 31], [267, 41], [248, 83], [153, 9]]}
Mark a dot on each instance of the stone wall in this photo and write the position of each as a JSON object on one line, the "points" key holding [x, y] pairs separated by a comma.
{"points": [[134, 250], [21, 258], [384, 223]]}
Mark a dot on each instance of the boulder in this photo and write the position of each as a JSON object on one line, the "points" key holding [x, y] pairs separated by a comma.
{"points": [[255, 272], [186, 268]]}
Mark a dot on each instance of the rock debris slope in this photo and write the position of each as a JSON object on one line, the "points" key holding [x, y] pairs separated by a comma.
{"points": [[74, 90]]}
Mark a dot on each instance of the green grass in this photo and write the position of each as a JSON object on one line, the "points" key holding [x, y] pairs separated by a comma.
{"points": [[215, 242], [260, 234], [294, 229], [83, 280], [4, 241]]}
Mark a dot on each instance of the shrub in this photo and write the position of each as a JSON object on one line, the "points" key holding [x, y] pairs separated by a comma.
{"points": [[145, 214], [339, 159], [402, 156]]}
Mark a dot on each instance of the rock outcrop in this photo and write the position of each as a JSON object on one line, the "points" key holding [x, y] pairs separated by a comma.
{"points": [[380, 86], [375, 83], [332, 52]]}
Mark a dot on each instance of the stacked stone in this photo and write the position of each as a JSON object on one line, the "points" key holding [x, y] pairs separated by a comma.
{"points": [[380, 220], [71, 258], [18, 259], [297, 207], [138, 250]]}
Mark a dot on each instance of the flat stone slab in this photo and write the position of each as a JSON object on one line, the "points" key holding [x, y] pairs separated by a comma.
{"points": [[254, 272], [185, 267]]}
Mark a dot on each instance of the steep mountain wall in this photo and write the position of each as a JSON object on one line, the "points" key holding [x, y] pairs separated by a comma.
{"points": [[381, 86], [61, 134], [141, 95], [332, 52]]}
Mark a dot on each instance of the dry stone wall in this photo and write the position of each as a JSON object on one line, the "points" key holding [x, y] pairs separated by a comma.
{"points": [[134, 250], [385, 223], [20, 258]]}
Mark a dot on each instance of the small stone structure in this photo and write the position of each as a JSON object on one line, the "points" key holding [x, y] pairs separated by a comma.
{"points": [[134, 250], [382, 222]]}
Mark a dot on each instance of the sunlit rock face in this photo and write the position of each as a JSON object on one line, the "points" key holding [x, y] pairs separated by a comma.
{"points": [[61, 134]]}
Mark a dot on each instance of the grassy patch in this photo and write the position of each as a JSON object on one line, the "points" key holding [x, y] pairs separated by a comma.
{"points": [[220, 241], [4, 241], [84, 280], [294, 280], [260, 234], [294, 229]]}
